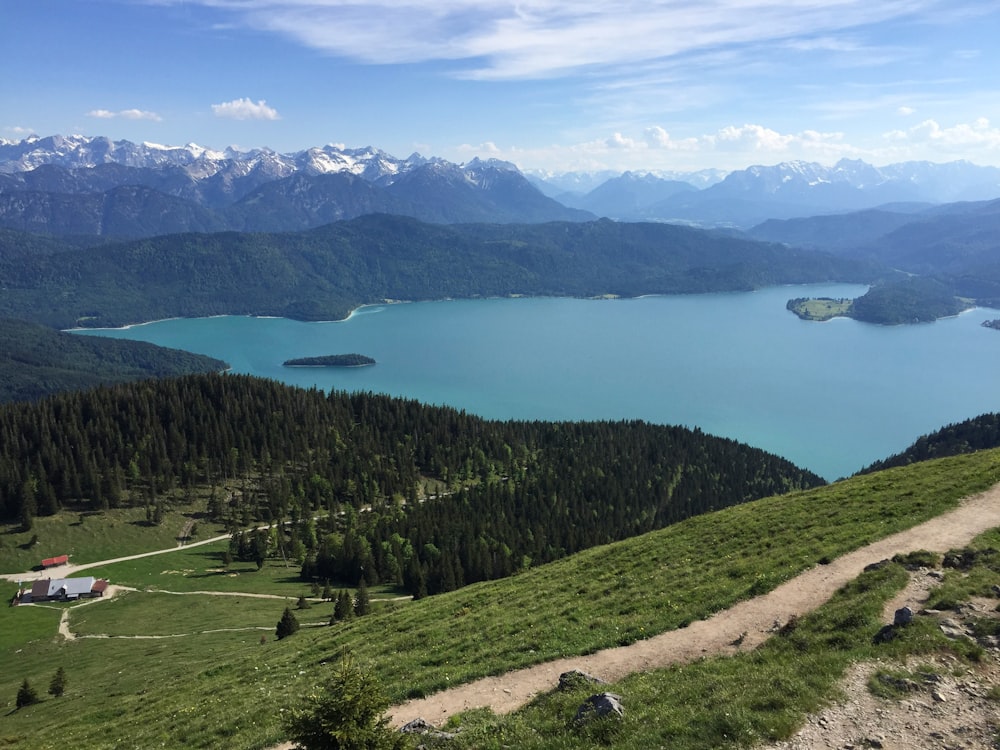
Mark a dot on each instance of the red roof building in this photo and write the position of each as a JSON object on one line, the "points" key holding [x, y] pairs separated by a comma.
{"points": [[51, 562]]}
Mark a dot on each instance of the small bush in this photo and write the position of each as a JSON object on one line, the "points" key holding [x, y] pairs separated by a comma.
{"points": [[892, 684], [918, 559]]}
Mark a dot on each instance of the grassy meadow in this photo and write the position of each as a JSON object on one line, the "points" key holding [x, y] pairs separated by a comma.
{"points": [[89, 537], [211, 682]]}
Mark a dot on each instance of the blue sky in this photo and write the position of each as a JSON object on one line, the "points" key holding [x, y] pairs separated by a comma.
{"points": [[567, 85]]}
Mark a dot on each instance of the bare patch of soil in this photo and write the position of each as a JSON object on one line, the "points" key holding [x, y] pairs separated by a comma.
{"points": [[950, 705]]}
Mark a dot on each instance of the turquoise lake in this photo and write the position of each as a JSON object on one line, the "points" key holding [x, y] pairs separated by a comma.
{"points": [[832, 397]]}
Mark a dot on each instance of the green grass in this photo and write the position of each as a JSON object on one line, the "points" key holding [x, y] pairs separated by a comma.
{"points": [[756, 697], [716, 702], [134, 613], [92, 537], [200, 569], [821, 308], [959, 585], [225, 689]]}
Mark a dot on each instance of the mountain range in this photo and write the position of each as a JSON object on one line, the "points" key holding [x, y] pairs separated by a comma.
{"points": [[79, 185], [93, 186], [750, 196]]}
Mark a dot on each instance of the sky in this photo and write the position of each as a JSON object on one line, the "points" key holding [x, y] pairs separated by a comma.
{"points": [[557, 86]]}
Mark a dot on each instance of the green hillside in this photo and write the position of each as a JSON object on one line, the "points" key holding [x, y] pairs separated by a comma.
{"points": [[36, 361], [947, 256], [212, 681], [324, 273], [975, 434], [427, 498]]}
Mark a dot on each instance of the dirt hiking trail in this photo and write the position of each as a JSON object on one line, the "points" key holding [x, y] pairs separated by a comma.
{"points": [[741, 627]]}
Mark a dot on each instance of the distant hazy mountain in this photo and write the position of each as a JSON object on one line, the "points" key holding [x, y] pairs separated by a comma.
{"points": [[794, 189], [578, 184], [73, 185], [954, 238], [750, 196], [629, 195]]}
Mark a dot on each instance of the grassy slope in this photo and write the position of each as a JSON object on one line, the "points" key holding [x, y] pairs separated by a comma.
{"points": [[89, 537], [226, 688]]}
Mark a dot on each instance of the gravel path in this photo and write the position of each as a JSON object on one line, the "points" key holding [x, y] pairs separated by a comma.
{"points": [[749, 622]]}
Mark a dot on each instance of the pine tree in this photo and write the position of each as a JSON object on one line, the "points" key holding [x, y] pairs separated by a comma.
{"points": [[58, 685], [26, 695], [344, 607], [362, 602], [287, 625], [346, 713]]}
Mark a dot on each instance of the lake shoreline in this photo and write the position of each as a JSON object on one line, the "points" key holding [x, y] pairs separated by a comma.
{"points": [[830, 398]]}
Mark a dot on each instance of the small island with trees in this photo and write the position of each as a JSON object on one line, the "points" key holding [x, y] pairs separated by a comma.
{"points": [[331, 360], [909, 300], [995, 324], [820, 308]]}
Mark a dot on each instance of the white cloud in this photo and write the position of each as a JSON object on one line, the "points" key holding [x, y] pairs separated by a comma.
{"points": [[539, 38], [245, 109], [617, 140], [752, 137], [906, 111], [125, 114], [958, 137]]}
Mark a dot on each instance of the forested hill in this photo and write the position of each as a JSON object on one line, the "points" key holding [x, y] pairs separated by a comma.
{"points": [[449, 498], [36, 361], [324, 273], [948, 254], [978, 433]]}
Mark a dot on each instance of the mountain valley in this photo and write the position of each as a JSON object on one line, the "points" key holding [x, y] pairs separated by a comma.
{"points": [[435, 546]]}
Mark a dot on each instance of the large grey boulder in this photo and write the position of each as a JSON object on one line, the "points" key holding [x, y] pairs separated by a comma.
{"points": [[903, 616], [600, 705]]}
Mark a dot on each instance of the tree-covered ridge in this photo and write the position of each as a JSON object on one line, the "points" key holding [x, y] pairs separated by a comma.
{"points": [[946, 256], [36, 361], [429, 497], [978, 433], [324, 273]]}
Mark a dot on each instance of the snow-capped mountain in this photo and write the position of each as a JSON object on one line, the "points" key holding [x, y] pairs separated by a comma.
{"points": [[260, 190], [433, 189], [82, 151], [76, 151]]}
